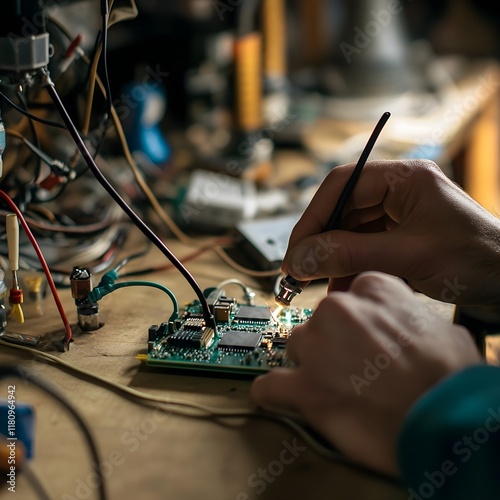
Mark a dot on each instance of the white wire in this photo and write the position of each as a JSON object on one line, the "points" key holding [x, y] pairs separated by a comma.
{"points": [[199, 408], [249, 293], [187, 408]]}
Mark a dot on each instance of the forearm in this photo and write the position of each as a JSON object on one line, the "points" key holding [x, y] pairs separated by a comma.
{"points": [[449, 446]]}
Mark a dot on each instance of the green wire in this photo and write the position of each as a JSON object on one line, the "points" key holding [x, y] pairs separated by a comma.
{"points": [[101, 291]]}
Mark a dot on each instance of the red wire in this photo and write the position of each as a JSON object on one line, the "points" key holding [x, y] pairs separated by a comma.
{"points": [[73, 46], [46, 270]]}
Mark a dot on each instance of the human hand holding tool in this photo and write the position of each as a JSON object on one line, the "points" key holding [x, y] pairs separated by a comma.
{"points": [[290, 286]]}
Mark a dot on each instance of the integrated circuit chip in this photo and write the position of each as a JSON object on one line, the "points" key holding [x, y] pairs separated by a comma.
{"points": [[246, 340], [240, 340], [253, 314], [191, 338], [279, 341]]}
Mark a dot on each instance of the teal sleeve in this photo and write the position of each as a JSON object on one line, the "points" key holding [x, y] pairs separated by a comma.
{"points": [[449, 446]]}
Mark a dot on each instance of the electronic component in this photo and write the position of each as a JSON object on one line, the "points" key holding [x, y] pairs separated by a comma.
{"points": [[194, 323], [217, 200], [251, 314], [288, 289], [240, 340], [191, 338], [249, 340], [214, 297], [279, 341], [15, 293], [81, 286], [34, 286], [24, 45], [20, 338], [222, 313], [266, 239]]}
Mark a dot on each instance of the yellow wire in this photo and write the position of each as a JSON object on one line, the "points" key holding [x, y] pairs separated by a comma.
{"points": [[18, 135], [91, 90], [15, 133], [92, 81], [43, 210], [90, 93], [201, 409], [160, 212]]}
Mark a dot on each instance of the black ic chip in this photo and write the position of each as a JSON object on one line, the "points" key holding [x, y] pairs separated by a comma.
{"points": [[239, 340], [279, 342], [253, 314]]}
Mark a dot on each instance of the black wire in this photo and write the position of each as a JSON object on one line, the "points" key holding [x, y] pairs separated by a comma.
{"points": [[42, 156], [23, 100], [102, 128], [26, 375], [134, 256], [102, 41], [96, 148], [30, 115], [117, 242], [93, 55], [124, 206], [24, 195]]}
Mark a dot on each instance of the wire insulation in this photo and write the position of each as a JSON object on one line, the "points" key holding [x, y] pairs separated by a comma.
{"points": [[100, 291], [46, 270], [123, 204], [30, 115], [182, 407], [26, 375]]}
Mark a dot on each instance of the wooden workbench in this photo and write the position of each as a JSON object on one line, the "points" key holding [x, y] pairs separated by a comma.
{"points": [[148, 454]]}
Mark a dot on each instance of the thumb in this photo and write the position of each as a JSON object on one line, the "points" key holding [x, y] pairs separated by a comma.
{"points": [[345, 253]]}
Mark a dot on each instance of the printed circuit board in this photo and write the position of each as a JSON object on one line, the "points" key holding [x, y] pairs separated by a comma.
{"points": [[248, 339]]}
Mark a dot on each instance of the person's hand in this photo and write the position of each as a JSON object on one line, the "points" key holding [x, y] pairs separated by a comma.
{"points": [[361, 361], [405, 218]]}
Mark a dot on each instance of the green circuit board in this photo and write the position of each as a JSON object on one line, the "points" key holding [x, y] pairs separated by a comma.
{"points": [[248, 339]]}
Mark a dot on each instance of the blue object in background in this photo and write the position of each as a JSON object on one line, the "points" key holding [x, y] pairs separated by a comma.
{"points": [[24, 425], [141, 108]]}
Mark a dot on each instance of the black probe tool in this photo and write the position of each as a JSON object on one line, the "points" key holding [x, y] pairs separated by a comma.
{"points": [[289, 286]]}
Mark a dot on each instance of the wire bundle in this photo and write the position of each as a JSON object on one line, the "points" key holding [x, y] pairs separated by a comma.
{"points": [[109, 233]]}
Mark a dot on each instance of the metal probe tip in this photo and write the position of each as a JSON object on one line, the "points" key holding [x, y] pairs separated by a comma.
{"points": [[289, 287]]}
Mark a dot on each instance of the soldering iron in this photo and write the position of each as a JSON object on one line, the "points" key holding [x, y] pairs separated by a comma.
{"points": [[289, 286]]}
